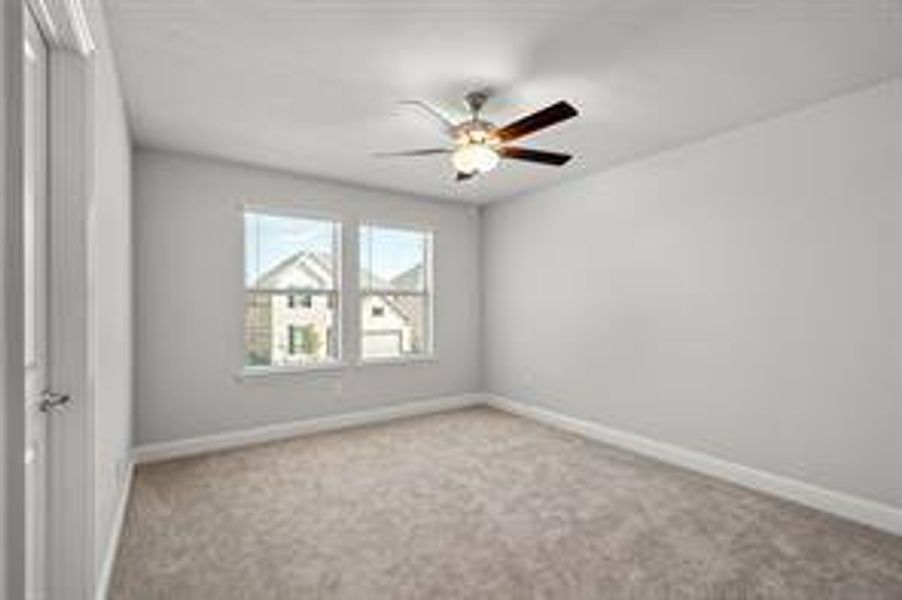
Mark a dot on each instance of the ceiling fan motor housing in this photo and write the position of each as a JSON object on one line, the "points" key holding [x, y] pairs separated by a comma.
{"points": [[476, 132]]}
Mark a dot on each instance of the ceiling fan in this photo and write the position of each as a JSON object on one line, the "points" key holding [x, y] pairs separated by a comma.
{"points": [[478, 145]]}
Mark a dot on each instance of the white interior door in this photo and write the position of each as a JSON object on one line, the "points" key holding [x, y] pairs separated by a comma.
{"points": [[36, 277]]}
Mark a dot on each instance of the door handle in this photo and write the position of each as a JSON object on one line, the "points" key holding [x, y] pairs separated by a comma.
{"points": [[51, 401]]}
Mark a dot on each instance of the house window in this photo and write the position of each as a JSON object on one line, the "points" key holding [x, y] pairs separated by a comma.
{"points": [[303, 301], [395, 292], [294, 341], [290, 262]]}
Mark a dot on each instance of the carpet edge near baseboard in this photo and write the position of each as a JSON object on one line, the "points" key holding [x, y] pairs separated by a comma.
{"points": [[841, 504], [855, 508]]}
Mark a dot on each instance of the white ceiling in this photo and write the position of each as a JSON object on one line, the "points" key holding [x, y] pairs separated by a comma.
{"points": [[312, 85]]}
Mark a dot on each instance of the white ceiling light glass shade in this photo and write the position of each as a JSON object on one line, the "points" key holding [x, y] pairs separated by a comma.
{"points": [[475, 158]]}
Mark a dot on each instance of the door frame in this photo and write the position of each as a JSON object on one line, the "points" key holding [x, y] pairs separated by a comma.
{"points": [[36, 221], [12, 373], [70, 564]]}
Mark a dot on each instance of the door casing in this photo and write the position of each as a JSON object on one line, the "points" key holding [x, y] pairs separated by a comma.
{"points": [[36, 279], [70, 568]]}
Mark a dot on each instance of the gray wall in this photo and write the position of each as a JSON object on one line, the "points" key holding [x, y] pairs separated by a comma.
{"points": [[739, 296], [110, 252], [190, 300], [12, 442]]}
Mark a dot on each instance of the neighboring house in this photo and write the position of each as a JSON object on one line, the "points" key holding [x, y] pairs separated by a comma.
{"points": [[411, 306], [291, 328]]}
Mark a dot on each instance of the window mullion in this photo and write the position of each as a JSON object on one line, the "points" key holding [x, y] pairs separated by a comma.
{"points": [[350, 295]]}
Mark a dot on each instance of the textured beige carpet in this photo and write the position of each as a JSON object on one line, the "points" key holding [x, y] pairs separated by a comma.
{"points": [[478, 504]]}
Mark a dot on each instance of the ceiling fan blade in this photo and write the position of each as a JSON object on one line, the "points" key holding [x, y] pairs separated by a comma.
{"points": [[438, 118], [551, 115], [423, 152], [540, 156], [464, 176]]}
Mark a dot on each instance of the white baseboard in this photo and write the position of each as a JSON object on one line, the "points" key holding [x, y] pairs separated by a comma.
{"points": [[868, 512], [109, 558], [279, 431]]}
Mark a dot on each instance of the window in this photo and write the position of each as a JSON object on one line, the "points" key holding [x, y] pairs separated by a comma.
{"points": [[294, 339], [395, 292], [291, 290], [305, 301]]}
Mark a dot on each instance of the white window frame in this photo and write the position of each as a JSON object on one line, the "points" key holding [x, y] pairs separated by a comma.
{"points": [[337, 292], [429, 353]]}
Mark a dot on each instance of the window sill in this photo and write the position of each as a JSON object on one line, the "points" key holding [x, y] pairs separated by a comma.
{"points": [[255, 372], [332, 367], [401, 360]]}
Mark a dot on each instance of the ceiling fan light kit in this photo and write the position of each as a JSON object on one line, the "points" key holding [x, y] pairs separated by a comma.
{"points": [[479, 146], [471, 158]]}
